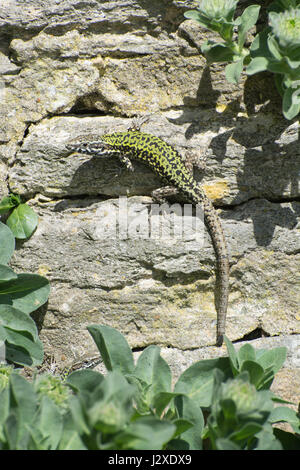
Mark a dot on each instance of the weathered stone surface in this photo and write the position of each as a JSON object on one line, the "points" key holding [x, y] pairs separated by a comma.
{"points": [[161, 291], [76, 67], [44, 165]]}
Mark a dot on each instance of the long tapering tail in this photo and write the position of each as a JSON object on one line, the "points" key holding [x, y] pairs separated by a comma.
{"points": [[214, 226]]}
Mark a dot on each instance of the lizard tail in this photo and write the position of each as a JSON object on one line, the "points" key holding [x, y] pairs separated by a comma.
{"points": [[195, 194], [215, 229]]}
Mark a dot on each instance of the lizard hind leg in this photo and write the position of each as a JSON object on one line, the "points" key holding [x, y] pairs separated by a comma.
{"points": [[159, 195]]}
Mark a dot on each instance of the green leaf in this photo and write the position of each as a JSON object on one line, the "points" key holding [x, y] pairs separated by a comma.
{"points": [[18, 330], [50, 423], [229, 409], [256, 372], [142, 396], [233, 71], [266, 439], [154, 371], [111, 404], [280, 400], [84, 380], [247, 20], [246, 432], [293, 64], [113, 347], [201, 19], [274, 47], [22, 221], [161, 400], [216, 52], [278, 67], [146, 433], [226, 444], [189, 410], [257, 64], [246, 353], [197, 381], [259, 46], [285, 414], [16, 320], [182, 425], [10, 431], [177, 444], [27, 292], [7, 243], [70, 439], [290, 103], [22, 350], [6, 204], [4, 409], [233, 357], [6, 273], [77, 408], [271, 358], [23, 405]]}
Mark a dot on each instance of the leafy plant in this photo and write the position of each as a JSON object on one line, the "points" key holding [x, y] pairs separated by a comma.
{"points": [[30, 419], [217, 15], [22, 219], [276, 48], [214, 404], [20, 294]]}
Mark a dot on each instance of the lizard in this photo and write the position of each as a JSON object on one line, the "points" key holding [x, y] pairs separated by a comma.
{"points": [[165, 161]]}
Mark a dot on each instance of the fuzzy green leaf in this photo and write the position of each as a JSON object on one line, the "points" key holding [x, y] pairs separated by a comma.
{"points": [[154, 371], [233, 71], [247, 20], [6, 273], [255, 371], [7, 243], [146, 433], [217, 52], [196, 15], [27, 292], [84, 380], [8, 203], [285, 414], [113, 347], [197, 381], [233, 357], [22, 221], [258, 64], [189, 410], [291, 103]]}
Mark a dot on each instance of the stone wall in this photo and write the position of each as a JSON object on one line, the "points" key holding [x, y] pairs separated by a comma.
{"points": [[74, 67]]}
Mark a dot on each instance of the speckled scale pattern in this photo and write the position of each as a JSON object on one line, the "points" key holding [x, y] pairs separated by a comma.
{"points": [[159, 155], [167, 163]]}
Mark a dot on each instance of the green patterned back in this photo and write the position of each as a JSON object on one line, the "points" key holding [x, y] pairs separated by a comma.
{"points": [[159, 155]]}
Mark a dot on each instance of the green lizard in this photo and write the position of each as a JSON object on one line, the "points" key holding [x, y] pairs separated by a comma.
{"points": [[168, 164]]}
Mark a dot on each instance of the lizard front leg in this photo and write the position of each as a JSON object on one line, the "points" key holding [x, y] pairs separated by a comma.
{"points": [[195, 159], [126, 161]]}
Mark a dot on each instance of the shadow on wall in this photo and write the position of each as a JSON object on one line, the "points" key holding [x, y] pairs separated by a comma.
{"points": [[268, 167]]}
